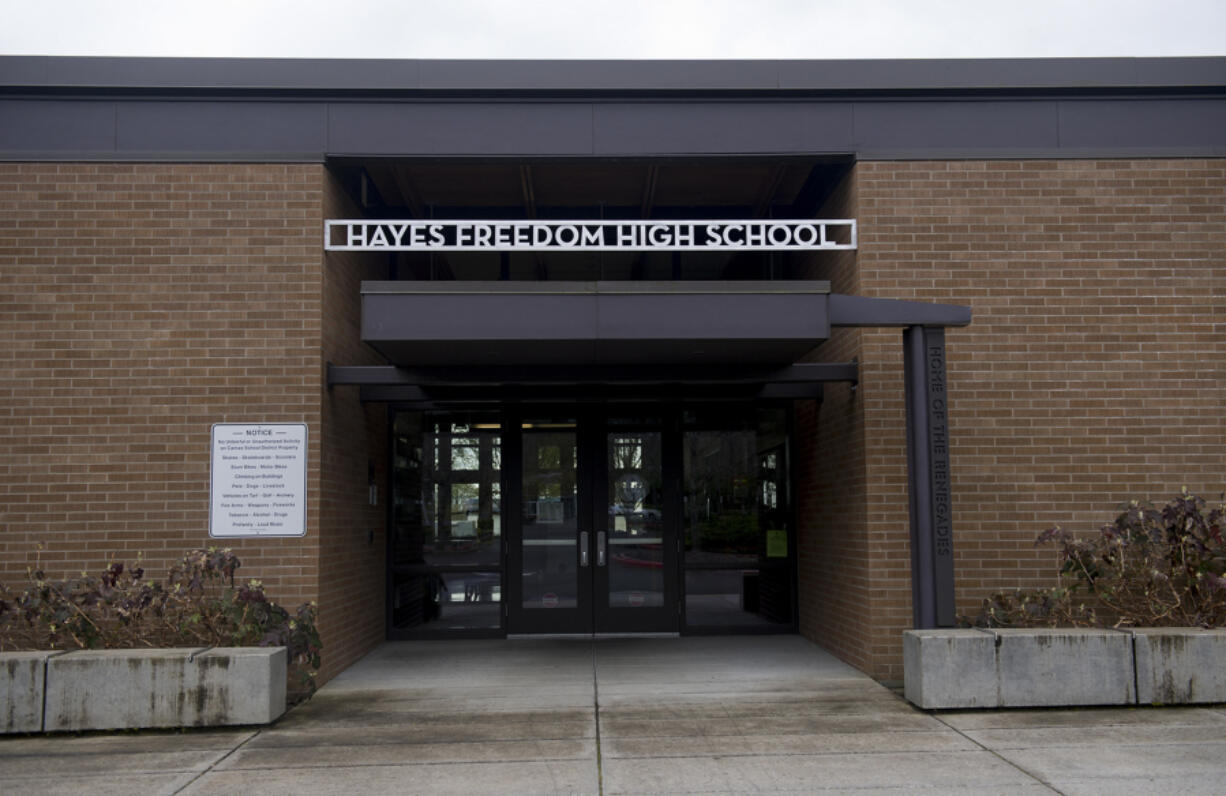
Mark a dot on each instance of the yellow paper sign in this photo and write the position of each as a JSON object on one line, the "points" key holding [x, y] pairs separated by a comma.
{"points": [[776, 544]]}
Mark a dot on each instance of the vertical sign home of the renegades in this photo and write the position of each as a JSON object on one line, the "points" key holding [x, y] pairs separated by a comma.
{"points": [[928, 477], [258, 480], [938, 458]]}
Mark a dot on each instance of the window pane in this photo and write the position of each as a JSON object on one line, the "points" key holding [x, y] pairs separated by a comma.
{"points": [[636, 521], [737, 597], [721, 497], [550, 525], [446, 492], [447, 601]]}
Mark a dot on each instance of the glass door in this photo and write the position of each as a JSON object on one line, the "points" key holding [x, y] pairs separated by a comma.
{"points": [[635, 576], [594, 549], [551, 553]]}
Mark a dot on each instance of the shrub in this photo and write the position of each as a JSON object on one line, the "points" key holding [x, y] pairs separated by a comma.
{"points": [[1148, 568], [198, 605]]}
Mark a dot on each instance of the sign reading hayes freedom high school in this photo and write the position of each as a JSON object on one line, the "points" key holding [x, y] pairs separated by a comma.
{"points": [[712, 235], [258, 480]]}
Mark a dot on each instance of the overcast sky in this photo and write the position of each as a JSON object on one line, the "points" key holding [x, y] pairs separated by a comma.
{"points": [[614, 28]]}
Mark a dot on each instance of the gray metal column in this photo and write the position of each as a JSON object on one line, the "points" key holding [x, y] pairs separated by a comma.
{"points": [[928, 477]]}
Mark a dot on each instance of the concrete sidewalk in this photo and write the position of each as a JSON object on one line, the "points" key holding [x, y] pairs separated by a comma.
{"points": [[768, 714]]}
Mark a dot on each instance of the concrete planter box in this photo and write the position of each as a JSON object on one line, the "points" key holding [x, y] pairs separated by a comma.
{"points": [[131, 689], [1048, 667], [950, 668], [22, 685], [1180, 665]]}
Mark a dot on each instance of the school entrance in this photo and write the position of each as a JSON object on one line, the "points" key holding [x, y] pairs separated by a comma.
{"points": [[590, 396], [590, 518], [608, 457]]}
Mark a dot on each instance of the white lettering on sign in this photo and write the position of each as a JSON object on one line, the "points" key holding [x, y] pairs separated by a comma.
{"points": [[258, 480], [712, 235]]}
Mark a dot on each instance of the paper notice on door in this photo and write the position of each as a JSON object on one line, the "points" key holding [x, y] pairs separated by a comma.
{"points": [[619, 523], [776, 544]]}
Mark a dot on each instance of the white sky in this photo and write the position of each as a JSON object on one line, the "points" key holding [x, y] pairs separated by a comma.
{"points": [[614, 28]]}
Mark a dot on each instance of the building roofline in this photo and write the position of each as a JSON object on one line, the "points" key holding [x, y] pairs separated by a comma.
{"points": [[56, 74]]}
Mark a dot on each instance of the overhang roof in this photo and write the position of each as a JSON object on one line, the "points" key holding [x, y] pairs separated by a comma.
{"points": [[417, 324], [262, 110], [279, 75]]}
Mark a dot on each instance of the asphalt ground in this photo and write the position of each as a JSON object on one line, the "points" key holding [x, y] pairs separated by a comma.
{"points": [[734, 714]]}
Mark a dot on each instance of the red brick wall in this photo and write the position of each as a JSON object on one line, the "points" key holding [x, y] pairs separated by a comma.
{"points": [[140, 304], [353, 543], [1094, 370], [834, 564]]}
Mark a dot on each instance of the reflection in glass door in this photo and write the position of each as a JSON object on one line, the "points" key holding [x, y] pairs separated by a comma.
{"points": [[737, 546], [673, 520], [445, 540], [551, 537], [635, 536], [592, 551]]}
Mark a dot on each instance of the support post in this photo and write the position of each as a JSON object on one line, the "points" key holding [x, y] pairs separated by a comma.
{"points": [[928, 477]]}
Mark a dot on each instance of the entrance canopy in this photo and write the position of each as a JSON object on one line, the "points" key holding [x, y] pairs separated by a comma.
{"points": [[621, 323], [494, 341], [603, 323]]}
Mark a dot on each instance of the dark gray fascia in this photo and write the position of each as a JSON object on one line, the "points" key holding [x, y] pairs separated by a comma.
{"points": [[47, 74]]}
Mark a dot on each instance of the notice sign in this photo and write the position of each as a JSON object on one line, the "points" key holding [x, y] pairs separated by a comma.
{"points": [[258, 480]]}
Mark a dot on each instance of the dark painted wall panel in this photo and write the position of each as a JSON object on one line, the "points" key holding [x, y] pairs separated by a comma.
{"points": [[306, 74], [602, 75], [713, 317], [450, 128], [830, 127], [1120, 123], [937, 126], [1002, 73], [56, 126], [718, 128], [289, 127], [587, 317], [478, 318], [267, 130]]}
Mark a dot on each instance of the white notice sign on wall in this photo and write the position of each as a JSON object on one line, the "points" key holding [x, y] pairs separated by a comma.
{"points": [[258, 485]]}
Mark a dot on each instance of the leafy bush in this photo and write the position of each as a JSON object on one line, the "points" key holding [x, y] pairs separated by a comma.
{"points": [[1148, 568], [198, 605]]}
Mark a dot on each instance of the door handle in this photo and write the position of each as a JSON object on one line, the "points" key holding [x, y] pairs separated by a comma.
{"points": [[583, 548], [600, 537]]}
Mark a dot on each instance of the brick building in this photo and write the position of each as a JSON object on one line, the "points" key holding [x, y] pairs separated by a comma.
{"points": [[703, 424]]}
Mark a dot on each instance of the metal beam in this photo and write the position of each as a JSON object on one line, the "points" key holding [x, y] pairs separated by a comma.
{"points": [[407, 192], [649, 191], [928, 478], [528, 187], [499, 375], [645, 207], [529, 191], [863, 311], [770, 187], [502, 395]]}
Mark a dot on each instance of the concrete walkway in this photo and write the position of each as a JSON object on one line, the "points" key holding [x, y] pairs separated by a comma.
{"points": [[671, 715]]}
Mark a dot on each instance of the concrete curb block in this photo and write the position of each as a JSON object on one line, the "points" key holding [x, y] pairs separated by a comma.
{"points": [[1042, 667], [1180, 665], [22, 687], [1050, 667], [132, 689], [949, 668]]}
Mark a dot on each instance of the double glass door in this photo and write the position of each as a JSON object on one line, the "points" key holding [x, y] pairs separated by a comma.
{"points": [[594, 545], [670, 519]]}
